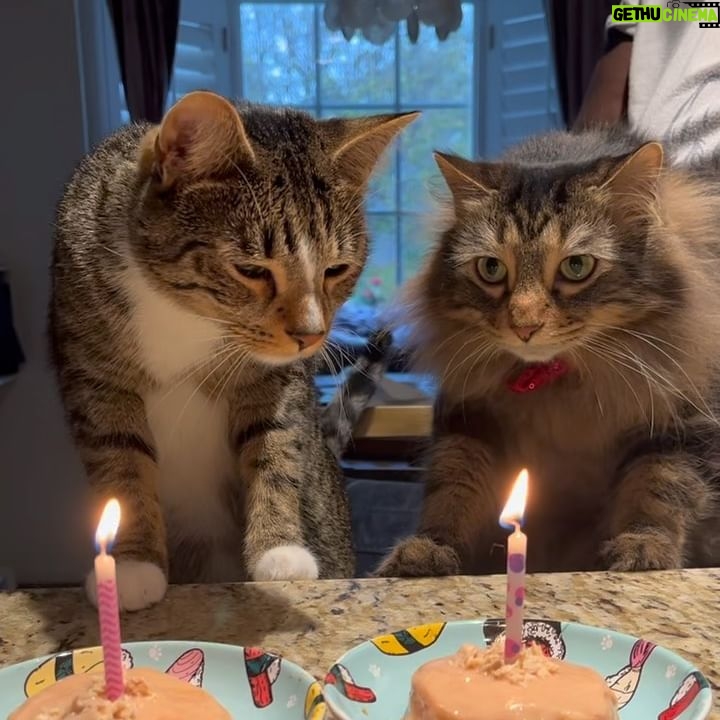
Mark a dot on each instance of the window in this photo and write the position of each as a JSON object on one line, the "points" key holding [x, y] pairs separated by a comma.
{"points": [[485, 87], [279, 47]]}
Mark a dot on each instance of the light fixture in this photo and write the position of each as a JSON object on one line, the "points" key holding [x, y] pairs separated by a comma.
{"points": [[377, 19]]}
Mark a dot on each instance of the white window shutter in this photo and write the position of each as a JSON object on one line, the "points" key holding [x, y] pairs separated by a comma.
{"points": [[201, 55], [520, 92]]}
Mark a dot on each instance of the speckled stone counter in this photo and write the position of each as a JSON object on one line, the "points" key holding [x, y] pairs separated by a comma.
{"points": [[312, 623]]}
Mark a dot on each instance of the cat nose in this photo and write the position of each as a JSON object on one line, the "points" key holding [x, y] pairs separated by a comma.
{"points": [[306, 340], [525, 332]]}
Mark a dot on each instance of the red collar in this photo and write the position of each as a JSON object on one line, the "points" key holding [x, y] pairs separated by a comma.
{"points": [[535, 376]]}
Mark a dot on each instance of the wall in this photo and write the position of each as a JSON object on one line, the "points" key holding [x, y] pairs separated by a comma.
{"points": [[43, 519]]}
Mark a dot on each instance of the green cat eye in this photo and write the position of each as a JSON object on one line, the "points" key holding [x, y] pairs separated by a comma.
{"points": [[577, 268], [491, 270]]}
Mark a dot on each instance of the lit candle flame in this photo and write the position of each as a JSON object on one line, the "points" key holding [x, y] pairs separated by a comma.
{"points": [[108, 526], [512, 514]]}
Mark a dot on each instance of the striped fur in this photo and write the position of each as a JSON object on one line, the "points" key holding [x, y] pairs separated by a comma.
{"points": [[197, 268]]}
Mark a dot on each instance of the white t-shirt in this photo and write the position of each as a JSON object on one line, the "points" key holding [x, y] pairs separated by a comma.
{"points": [[674, 84]]}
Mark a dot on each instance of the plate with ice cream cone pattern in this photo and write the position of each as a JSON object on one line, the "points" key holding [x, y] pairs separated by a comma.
{"points": [[250, 683], [372, 681]]}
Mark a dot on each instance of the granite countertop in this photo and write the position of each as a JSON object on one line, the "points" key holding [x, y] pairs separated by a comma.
{"points": [[313, 623]]}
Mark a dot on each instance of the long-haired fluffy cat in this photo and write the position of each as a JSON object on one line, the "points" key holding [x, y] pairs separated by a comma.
{"points": [[198, 265], [570, 311]]}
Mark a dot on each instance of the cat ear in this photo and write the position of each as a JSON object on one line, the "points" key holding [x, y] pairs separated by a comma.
{"points": [[635, 177], [202, 133], [466, 179], [358, 143]]}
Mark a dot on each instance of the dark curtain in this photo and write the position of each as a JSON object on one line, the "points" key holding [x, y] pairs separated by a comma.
{"points": [[577, 34], [11, 354], [145, 36]]}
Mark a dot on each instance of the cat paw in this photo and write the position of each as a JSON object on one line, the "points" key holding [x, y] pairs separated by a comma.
{"points": [[420, 557], [286, 562], [140, 585], [644, 550]]}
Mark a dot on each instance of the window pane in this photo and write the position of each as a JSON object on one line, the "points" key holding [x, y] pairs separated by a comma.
{"points": [[278, 52], [438, 72], [355, 72], [445, 130], [377, 285], [382, 191], [416, 236]]}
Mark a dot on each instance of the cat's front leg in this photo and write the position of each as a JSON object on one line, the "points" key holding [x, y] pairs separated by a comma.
{"points": [[459, 510], [112, 436], [659, 500], [270, 460]]}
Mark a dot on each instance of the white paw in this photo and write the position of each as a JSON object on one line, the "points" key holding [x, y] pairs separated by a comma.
{"points": [[140, 584], [286, 562]]}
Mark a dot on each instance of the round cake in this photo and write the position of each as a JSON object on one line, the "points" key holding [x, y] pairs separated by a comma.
{"points": [[149, 695], [476, 684]]}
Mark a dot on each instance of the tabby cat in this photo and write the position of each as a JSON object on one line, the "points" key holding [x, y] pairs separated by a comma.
{"points": [[198, 265], [571, 314]]}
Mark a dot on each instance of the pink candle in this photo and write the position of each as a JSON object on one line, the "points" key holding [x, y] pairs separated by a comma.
{"points": [[511, 517], [107, 599]]}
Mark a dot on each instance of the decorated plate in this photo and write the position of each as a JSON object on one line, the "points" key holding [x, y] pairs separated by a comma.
{"points": [[250, 683], [372, 681]]}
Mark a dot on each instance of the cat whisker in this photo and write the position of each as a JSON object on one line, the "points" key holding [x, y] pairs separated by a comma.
{"points": [[235, 368], [665, 390], [580, 360], [448, 339], [194, 369], [331, 361], [347, 361], [681, 368], [449, 370], [468, 358], [707, 412], [328, 351], [216, 393], [114, 252], [642, 371], [494, 352], [659, 380], [199, 386], [474, 356], [478, 357], [597, 352], [645, 337], [345, 357]]}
